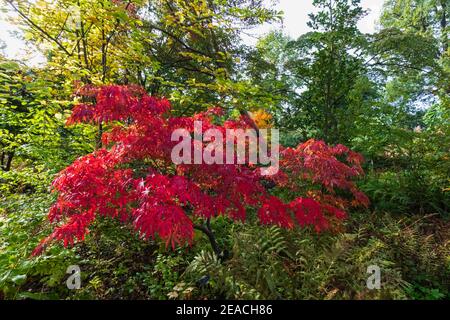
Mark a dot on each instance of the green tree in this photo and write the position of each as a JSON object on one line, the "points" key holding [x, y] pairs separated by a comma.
{"points": [[32, 119], [428, 17], [186, 50], [198, 51], [189, 50], [319, 73], [335, 81]]}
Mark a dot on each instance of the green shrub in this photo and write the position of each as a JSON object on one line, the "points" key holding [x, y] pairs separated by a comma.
{"points": [[270, 263], [21, 276]]}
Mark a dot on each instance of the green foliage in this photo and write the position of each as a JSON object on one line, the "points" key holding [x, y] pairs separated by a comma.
{"points": [[271, 264], [116, 266], [414, 178], [255, 270], [21, 218], [423, 16], [264, 263], [32, 115], [189, 51]]}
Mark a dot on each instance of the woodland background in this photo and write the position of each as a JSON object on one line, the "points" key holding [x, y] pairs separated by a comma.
{"points": [[385, 95]]}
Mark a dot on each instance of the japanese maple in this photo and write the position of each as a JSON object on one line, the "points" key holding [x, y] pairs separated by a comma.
{"points": [[132, 178]]}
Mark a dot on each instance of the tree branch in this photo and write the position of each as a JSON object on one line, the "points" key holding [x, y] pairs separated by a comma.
{"points": [[38, 28], [206, 229]]}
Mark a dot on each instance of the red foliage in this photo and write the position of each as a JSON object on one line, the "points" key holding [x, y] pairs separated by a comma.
{"points": [[133, 178], [319, 164]]}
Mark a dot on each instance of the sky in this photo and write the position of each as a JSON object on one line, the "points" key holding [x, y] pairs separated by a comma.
{"points": [[296, 16], [294, 24]]}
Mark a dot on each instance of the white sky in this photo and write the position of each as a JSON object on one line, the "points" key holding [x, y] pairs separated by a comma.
{"points": [[295, 19], [296, 16]]}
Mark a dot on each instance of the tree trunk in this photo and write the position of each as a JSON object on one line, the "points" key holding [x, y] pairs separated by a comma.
{"points": [[9, 156], [206, 229]]}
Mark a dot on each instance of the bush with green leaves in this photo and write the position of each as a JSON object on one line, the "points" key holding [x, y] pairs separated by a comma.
{"points": [[21, 218], [272, 264], [416, 180]]}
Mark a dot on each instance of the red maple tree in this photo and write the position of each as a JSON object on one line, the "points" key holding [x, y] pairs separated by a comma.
{"points": [[132, 178]]}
